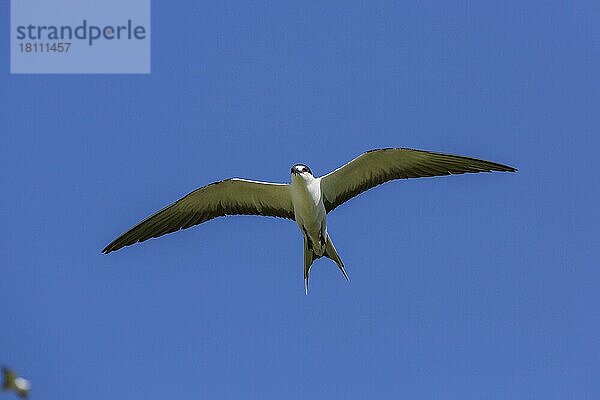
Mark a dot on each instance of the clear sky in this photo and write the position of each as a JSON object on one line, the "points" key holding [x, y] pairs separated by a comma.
{"points": [[466, 287]]}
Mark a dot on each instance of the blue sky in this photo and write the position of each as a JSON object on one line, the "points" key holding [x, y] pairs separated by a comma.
{"points": [[464, 287]]}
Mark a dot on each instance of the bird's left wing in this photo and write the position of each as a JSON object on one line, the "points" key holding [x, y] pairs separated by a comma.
{"points": [[9, 378], [378, 166], [229, 197]]}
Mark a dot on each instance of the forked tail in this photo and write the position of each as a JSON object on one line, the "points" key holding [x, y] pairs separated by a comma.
{"points": [[310, 257]]}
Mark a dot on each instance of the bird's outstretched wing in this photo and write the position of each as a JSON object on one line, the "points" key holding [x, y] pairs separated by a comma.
{"points": [[9, 377], [378, 166], [229, 197]]}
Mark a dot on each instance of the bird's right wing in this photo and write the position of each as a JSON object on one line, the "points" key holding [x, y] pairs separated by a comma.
{"points": [[229, 197], [378, 166]]}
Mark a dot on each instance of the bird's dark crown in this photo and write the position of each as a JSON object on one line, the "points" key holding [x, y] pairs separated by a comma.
{"points": [[300, 168]]}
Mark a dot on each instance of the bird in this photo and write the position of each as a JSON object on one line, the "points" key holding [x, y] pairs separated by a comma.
{"points": [[307, 199], [20, 386]]}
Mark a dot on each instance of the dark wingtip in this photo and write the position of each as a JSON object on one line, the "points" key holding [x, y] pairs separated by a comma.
{"points": [[508, 168], [497, 167], [109, 248]]}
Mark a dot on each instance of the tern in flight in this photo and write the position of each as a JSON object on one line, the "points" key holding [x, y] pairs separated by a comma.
{"points": [[306, 199], [12, 381]]}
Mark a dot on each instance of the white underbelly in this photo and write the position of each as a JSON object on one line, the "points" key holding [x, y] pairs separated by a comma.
{"points": [[310, 214]]}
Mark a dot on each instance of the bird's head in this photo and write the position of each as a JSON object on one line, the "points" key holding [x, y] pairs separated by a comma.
{"points": [[301, 170]]}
